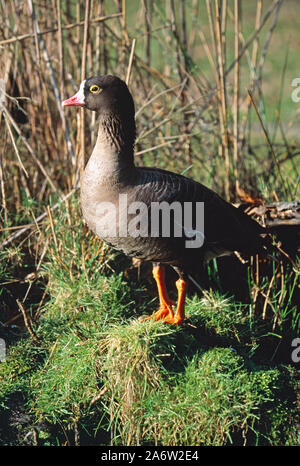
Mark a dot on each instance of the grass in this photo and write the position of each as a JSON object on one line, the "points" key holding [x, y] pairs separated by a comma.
{"points": [[127, 382], [82, 367], [98, 374]]}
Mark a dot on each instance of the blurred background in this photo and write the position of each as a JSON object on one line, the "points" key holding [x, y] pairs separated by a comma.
{"points": [[192, 65]]}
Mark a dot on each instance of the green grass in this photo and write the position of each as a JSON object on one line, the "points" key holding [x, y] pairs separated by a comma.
{"points": [[98, 374], [161, 386]]}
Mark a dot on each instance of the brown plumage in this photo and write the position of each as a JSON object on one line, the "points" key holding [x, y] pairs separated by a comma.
{"points": [[110, 172]]}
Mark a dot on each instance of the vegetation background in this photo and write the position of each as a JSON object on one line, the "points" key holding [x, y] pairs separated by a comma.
{"points": [[81, 368]]}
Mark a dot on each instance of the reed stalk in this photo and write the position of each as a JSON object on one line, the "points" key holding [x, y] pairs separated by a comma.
{"points": [[222, 99], [236, 92], [82, 77]]}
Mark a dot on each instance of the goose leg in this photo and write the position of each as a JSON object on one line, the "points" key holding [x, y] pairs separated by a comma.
{"points": [[165, 312], [165, 309], [179, 316]]}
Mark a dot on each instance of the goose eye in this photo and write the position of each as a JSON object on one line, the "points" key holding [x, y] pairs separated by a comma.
{"points": [[95, 89]]}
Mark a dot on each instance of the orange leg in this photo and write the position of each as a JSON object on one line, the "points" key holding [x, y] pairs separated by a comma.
{"points": [[165, 308], [181, 286], [165, 311]]}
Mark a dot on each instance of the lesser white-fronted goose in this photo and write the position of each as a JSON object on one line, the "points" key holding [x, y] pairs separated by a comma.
{"points": [[114, 193]]}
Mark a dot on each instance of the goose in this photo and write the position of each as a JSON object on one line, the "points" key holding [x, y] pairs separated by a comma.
{"points": [[148, 213]]}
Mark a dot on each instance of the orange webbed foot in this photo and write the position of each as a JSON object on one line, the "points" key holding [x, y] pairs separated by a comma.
{"points": [[174, 320], [165, 311]]}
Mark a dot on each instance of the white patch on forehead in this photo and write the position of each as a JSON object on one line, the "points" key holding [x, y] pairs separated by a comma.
{"points": [[80, 93]]}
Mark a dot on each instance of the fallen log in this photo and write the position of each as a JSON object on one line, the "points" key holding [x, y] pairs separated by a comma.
{"points": [[281, 219], [277, 214]]}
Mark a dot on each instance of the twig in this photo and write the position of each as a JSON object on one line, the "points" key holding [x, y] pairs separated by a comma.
{"points": [[100, 394], [100, 51], [4, 205], [11, 238], [48, 31], [268, 140], [52, 225], [153, 148], [252, 37], [241, 53], [125, 38], [60, 50], [236, 91], [50, 355], [53, 82], [211, 27], [147, 20], [208, 53], [83, 76], [253, 68], [257, 75], [222, 99], [266, 296], [27, 322], [148, 102], [177, 39], [30, 150], [130, 61], [268, 38], [14, 145]]}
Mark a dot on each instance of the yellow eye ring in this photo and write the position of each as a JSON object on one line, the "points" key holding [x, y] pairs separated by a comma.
{"points": [[94, 89]]}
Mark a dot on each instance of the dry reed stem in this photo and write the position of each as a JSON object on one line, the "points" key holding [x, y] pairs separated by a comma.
{"points": [[267, 300], [83, 76], [253, 64], [177, 39], [268, 38], [125, 37], [56, 92], [16, 235], [252, 36], [60, 50], [4, 204], [15, 145], [130, 62], [147, 9], [32, 153], [27, 322], [268, 140], [100, 50], [242, 51], [52, 226], [211, 27], [208, 53], [257, 75], [49, 31], [236, 92], [222, 100], [256, 41]]}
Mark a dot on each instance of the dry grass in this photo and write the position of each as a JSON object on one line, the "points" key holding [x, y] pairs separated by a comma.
{"points": [[180, 109]]}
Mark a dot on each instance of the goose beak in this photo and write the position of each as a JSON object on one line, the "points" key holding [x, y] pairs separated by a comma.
{"points": [[76, 100]]}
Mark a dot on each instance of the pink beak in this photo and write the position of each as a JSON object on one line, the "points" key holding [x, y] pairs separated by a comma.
{"points": [[76, 100]]}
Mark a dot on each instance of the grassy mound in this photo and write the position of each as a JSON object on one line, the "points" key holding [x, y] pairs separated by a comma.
{"points": [[97, 373]]}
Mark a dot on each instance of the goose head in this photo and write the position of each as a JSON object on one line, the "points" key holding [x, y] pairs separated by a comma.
{"points": [[103, 94]]}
